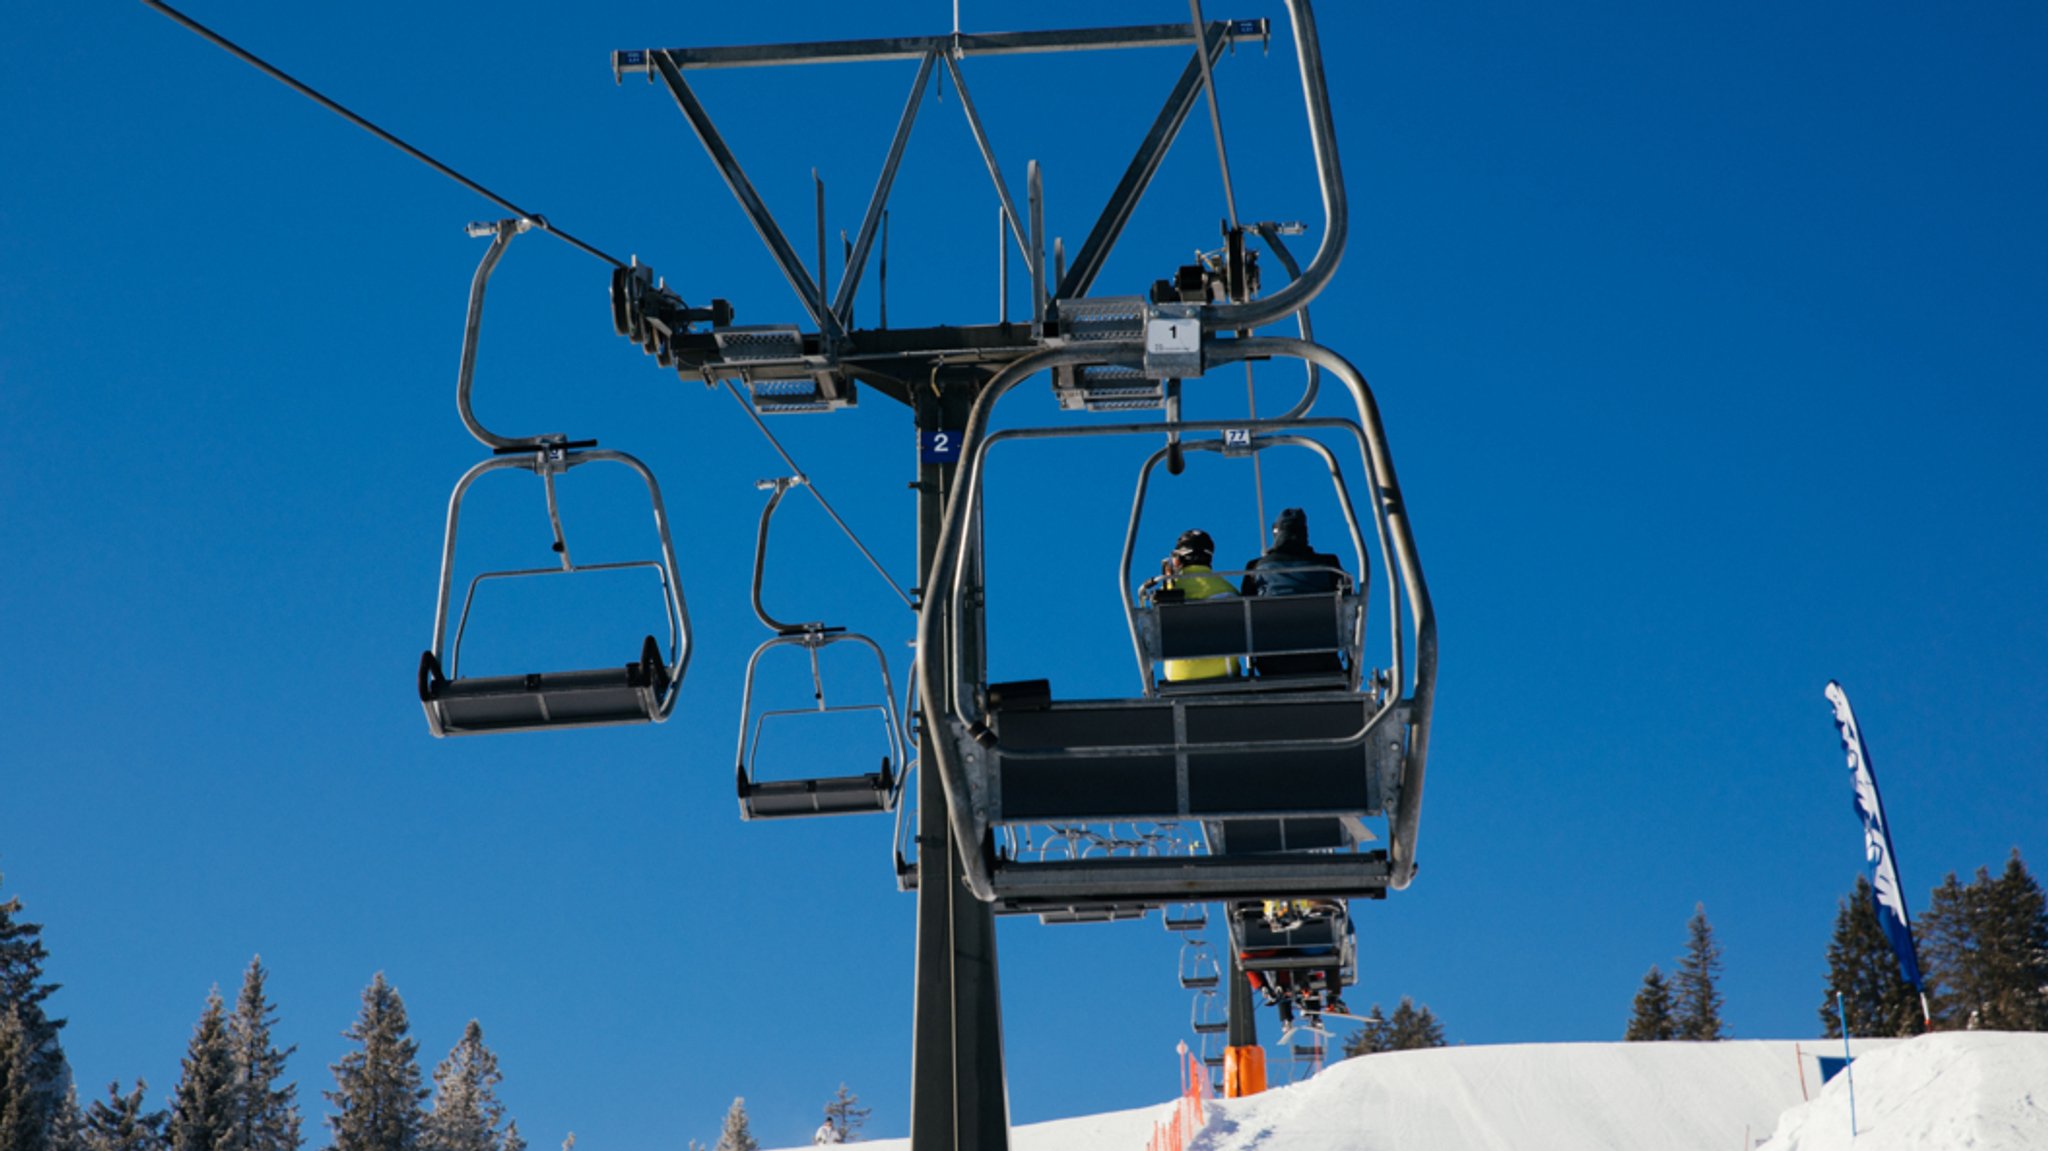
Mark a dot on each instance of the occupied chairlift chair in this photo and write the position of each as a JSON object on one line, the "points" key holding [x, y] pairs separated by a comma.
{"points": [[1247, 765], [1282, 781], [1314, 953], [640, 691], [857, 794]]}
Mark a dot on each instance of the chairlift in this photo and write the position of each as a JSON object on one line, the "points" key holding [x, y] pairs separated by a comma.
{"points": [[862, 793], [1300, 954], [1185, 916], [637, 691], [1209, 1017], [1285, 778], [1198, 968]]}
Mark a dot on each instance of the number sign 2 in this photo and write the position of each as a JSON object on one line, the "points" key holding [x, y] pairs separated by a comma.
{"points": [[939, 447]]}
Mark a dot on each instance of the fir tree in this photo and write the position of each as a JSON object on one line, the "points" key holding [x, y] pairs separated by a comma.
{"points": [[1413, 1028], [67, 1127], [203, 1103], [1696, 984], [265, 1114], [377, 1092], [845, 1115], [40, 1061], [24, 1111], [735, 1136], [1650, 1019], [118, 1122], [467, 1115], [1372, 1037], [1948, 951], [2013, 950], [1864, 970]]}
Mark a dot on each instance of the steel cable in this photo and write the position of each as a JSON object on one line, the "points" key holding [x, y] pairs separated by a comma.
{"points": [[310, 93]]}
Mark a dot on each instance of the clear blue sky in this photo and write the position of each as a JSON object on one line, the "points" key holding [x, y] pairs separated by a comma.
{"points": [[1710, 344]]}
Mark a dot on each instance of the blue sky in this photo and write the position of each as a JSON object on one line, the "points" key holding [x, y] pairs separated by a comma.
{"points": [[1709, 344]]}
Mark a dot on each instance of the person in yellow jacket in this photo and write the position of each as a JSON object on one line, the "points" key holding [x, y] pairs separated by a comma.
{"points": [[1190, 571]]}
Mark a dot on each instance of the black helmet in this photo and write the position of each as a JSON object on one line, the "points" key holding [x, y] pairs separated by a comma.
{"points": [[1194, 546]]}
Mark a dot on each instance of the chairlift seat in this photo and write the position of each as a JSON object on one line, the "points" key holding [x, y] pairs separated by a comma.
{"points": [[473, 705], [834, 795]]}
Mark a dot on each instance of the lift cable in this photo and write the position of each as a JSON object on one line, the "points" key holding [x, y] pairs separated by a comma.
{"points": [[1215, 113], [1230, 205], [804, 477], [279, 75]]}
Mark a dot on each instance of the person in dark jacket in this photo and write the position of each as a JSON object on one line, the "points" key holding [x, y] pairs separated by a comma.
{"points": [[1293, 567]]}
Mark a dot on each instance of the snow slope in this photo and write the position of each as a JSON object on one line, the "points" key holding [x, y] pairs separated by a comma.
{"points": [[1982, 1090], [1986, 1091]]}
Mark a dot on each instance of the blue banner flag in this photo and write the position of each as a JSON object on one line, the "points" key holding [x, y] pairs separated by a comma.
{"points": [[1887, 895]]}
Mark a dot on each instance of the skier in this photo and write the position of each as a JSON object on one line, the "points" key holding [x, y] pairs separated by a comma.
{"points": [[1292, 567], [1192, 576]]}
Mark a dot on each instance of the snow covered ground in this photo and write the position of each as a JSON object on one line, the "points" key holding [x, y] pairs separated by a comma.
{"points": [[1982, 1091]]}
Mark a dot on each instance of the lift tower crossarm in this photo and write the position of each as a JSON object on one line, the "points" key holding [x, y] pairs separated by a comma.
{"points": [[807, 289], [958, 46]]}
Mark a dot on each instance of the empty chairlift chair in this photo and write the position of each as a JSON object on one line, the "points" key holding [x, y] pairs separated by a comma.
{"points": [[642, 686], [844, 794], [1199, 970]]}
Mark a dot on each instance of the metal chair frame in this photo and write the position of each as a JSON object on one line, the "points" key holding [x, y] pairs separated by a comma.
{"points": [[823, 795], [637, 692]]}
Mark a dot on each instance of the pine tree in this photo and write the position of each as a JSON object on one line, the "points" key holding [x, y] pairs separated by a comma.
{"points": [[40, 1061], [1864, 970], [735, 1136], [203, 1103], [1948, 951], [1372, 1036], [118, 1122], [265, 1115], [24, 1111], [1650, 1019], [67, 1127], [2013, 950], [467, 1115], [846, 1115], [377, 1092], [1698, 1006], [1413, 1028]]}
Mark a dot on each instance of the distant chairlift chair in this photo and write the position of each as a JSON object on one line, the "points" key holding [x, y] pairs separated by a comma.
{"points": [[862, 793], [638, 691]]}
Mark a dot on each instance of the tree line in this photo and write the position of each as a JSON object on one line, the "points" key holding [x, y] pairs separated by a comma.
{"points": [[232, 1093], [1983, 958]]}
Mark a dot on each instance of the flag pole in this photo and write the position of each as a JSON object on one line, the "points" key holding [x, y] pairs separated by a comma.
{"points": [[1848, 1062]]}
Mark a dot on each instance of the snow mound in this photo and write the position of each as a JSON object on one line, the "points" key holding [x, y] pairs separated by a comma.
{"points": [[1984, 1090], [1585, 1096]]}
